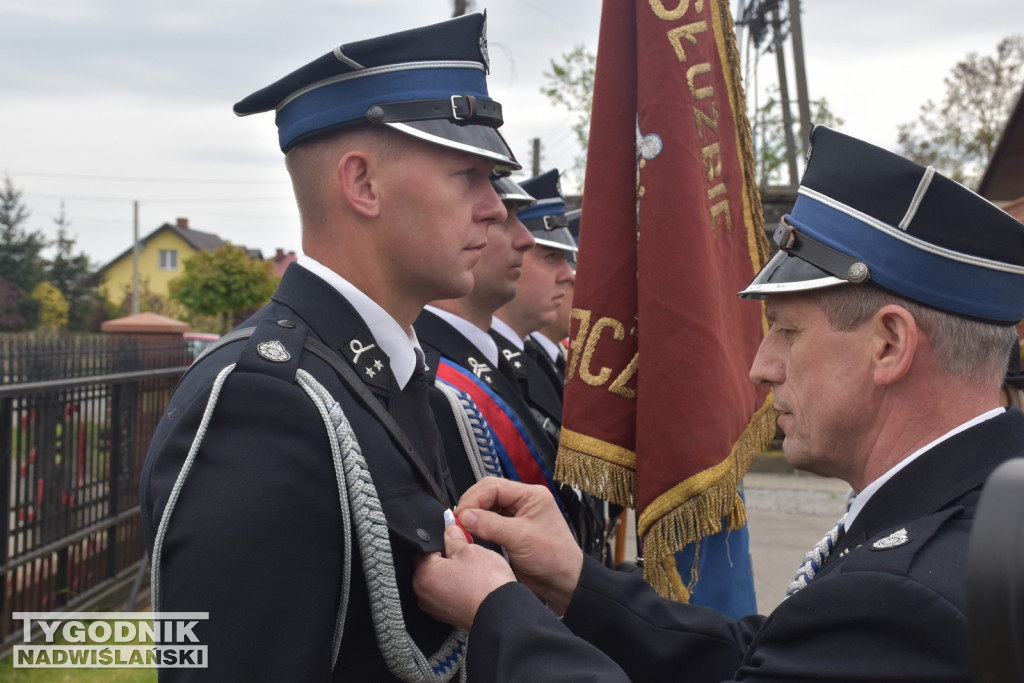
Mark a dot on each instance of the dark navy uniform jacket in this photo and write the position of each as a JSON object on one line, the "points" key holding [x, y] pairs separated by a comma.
{"points": [[891, 609], [256, 537], [440, 340], [536, 387]]}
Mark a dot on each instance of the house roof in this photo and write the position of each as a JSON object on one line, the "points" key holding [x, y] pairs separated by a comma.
{"points": [[198, 240], [145, 322], [1003, 180]]}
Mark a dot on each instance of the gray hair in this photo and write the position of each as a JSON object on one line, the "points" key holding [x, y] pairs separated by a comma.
{"points": [[963, 347]]}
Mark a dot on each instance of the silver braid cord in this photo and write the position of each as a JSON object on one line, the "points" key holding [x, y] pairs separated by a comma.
{"points": [[484, 436], [179, 483], [477, 438], [815, 558], [339, 449], [403, 657]]}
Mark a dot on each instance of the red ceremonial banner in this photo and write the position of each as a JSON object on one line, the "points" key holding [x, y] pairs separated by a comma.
{"points": [[659, 412]]}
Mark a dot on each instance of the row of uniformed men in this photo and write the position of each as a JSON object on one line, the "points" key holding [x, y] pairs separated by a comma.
{"points": [[304, 464]]}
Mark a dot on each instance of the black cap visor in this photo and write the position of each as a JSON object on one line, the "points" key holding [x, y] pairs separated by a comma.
{"points": [[786, 273], [466, 137]]}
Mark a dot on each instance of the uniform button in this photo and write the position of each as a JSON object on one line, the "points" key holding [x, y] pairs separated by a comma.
{"points": [[286, 323], [424, 535]]}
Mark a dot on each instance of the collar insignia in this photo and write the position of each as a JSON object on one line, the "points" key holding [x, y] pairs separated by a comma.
{"points": [[510, 356], [893, 540], [481, 370], [368, 359]]}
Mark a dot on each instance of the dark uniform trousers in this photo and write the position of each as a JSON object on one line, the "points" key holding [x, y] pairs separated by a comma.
{"points": [[889, 604], [256, 536]]}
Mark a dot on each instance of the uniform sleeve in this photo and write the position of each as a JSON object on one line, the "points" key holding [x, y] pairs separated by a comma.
{"points": [[616, 629], [255, 538], [857, 627]]}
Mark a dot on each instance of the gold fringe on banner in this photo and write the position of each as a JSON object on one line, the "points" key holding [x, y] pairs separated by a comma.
{"points": [[602, 469], [694, 508], [729, 56]]}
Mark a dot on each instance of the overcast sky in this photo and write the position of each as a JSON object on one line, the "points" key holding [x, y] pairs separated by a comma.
{"points": [[103, 102]]}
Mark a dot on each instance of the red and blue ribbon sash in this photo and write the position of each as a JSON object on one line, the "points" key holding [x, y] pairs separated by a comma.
{"points": [[516, 450]]}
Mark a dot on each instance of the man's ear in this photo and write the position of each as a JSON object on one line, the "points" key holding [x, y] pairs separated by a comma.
{"points": [[357, 184], [897, 336]]}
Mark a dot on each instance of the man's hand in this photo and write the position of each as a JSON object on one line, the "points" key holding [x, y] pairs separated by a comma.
{"points": [[527, 522], [451, 588]]}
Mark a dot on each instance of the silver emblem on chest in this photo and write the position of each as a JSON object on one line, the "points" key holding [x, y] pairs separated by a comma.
{"points": [[893, 540], [273, 351]]}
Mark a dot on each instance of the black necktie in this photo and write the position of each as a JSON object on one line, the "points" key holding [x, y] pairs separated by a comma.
{"points": [[417, 395]]}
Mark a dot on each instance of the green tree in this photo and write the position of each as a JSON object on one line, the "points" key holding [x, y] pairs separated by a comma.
{"points": [[770, 136], [12, 307], [958, 135], [570, 83], [21, 259], [222, 282], [53, 307], [75, 277]]}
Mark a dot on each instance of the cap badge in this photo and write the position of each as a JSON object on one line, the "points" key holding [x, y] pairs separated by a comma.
{"points": [[483, 46], [893, 540], [858, 272], [273, 351]]}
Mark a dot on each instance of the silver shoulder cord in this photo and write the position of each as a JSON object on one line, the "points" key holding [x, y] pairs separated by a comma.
{"points": [[477, 438], [359, 501]]}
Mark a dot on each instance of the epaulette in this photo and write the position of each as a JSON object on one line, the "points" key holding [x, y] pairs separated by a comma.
{"points": [[275, 349]]}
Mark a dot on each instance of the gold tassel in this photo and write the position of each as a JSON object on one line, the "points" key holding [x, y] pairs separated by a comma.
{"points": [[603, 470], [681, 516]]}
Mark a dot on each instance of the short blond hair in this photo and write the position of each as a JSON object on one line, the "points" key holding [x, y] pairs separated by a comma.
{"points": [[311, 164]]}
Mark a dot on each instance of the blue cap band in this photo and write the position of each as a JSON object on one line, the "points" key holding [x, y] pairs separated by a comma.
{"points": [[913, 268], [345, 99]]}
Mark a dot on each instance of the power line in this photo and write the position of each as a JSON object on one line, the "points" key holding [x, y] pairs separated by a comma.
{"points": [[589, 32], [68, 176], [160, 201]]}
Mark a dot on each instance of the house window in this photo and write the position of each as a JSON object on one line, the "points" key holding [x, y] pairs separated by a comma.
{"points": [[168, 259]]}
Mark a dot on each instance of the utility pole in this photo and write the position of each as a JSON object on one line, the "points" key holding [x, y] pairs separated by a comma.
{"points": [[803, 102], [787, 116], [536, 157], [135, 261]]}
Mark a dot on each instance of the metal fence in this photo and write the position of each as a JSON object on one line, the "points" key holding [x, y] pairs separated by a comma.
{"points": [[76, 417]]}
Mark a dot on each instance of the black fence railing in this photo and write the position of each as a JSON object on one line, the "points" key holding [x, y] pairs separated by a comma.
{"points": [[76, 417]]}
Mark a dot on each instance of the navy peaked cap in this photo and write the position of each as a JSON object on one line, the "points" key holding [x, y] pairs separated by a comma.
{"points": [[428, 82], [866, 215], [510, 191], [573, 219], [546, 219]]}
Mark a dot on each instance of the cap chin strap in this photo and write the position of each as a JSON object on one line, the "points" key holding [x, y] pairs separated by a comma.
{"points": [[833, 262], [466, 108]]}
